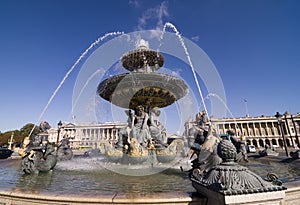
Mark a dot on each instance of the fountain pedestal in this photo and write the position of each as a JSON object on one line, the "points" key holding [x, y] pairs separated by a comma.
{"points": [[264, 198]]}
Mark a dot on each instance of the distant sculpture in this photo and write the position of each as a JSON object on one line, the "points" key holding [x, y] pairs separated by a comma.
{"points": [[295, 154], [64, 151], [240, 145], [268, 151], [38, 154]]}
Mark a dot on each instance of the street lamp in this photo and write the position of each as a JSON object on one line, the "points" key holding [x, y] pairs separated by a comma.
{"points": [[279, 120], [59, 124]]}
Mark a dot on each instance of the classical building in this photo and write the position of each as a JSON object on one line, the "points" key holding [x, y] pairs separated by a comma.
{"points": [[258, 131], [263, 130], [86, 136]]}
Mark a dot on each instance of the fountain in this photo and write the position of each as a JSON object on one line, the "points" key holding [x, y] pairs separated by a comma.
{"points": [[143, 92], [142, 166]]}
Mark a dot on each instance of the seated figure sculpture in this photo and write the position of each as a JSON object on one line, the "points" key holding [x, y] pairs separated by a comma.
{"points": [[157, 130], [207, 156], [144, 128], [199, 131], [124, 133], [140, 129]]}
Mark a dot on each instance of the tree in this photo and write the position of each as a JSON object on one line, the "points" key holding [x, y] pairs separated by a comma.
{"points": [[26, 129]]}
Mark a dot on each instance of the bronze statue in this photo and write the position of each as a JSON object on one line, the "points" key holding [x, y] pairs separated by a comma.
{"points": [[40, 157], [124, 133], [140, 129], [64, 151], [199, 131], [157, 130]]}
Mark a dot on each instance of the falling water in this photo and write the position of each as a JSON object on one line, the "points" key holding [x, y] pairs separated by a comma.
{"points": [[71, 69], [168, 24], [83, 88], [222, 101], [225, 105]]}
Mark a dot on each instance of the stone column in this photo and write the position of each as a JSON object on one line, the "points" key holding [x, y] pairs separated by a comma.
{"points": [[267, 129], [116, 136], [107, 134], [260, 130], [254, 130]]}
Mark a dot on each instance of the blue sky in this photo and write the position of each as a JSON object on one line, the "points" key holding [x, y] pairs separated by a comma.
{"points": [[254, 45]]}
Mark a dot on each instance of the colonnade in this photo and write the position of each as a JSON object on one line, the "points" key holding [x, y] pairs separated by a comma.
{"points": [[91, 135], [261, 131]]}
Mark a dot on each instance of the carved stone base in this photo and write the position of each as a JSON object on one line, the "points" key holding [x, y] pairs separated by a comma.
{"points": [[231, 183], [217, 198]]}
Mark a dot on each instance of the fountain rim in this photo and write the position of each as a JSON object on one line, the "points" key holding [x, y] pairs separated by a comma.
{"points": [[141, 52], [176, 87], [21, 197]]}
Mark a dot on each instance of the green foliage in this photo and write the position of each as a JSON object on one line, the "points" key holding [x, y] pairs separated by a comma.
{"points": [[9, 133], [26, 129], [18, 134]]}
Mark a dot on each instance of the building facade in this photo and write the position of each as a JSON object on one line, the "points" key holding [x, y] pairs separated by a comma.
{"points": [[263, 130], [259, 131], [86, 136]]}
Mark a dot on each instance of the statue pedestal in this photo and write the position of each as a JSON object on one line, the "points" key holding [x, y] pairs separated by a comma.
{"points": [[230, 183], [217, 198]]}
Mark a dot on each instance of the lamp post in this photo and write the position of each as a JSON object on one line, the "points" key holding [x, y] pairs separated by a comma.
{"points": [[279, 120], [59, 124], [246, 106]]}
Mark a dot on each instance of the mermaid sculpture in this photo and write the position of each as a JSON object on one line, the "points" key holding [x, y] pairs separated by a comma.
{"points": [[38, 154], [64, 151]]}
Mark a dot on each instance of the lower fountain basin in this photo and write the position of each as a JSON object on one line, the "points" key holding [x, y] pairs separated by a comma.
{"points": [[84, 180], [165, 158]]}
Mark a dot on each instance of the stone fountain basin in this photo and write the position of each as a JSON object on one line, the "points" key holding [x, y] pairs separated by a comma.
{"points": [[165, 158], [89, 183], [129, 90]]}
